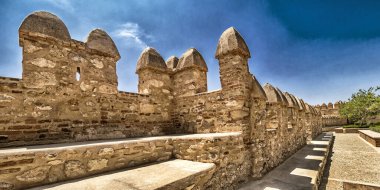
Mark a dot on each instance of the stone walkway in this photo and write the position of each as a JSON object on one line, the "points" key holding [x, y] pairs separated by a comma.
{"points": [[300, 171], [353, 161]]}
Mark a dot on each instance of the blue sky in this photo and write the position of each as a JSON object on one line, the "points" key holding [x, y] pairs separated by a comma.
{"points": [[318, 50]]}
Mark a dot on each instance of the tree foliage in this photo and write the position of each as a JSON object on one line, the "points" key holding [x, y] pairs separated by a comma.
{"points": [[361, 105]]}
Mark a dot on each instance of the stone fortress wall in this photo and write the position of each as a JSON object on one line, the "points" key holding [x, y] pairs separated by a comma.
{"points": [[50, 104], [330, 114]]}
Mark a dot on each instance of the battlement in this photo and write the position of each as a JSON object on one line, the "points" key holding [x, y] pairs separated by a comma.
{"points": [[68, 92], [330, 114]]}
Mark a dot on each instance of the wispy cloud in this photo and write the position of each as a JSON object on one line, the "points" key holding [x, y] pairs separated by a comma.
{"points": [[133, 35], [62, 4]]}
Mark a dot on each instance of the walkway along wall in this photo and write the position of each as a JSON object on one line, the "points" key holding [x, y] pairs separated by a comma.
{"points": [[68, 92]]}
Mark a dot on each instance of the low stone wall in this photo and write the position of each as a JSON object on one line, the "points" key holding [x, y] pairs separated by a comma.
{"points": [[348, 130], [228, 153], [359, 186], [39, 165], [371, 137], [330, 120]]}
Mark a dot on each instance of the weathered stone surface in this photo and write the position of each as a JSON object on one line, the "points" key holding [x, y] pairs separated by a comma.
{"points": [[34, 175], [74, 168], [290, 100], [41, 62], [330, 114], [97, 164], [257, 89], [231, 42], [192, 58], [68, 93], [98, 39], [172, 62], [45, 23], [272, 94], [106, 152], [146, 108], [97, 63], [283, 98], [41, 79], [6, 186], [6, 98], [150, 58]]}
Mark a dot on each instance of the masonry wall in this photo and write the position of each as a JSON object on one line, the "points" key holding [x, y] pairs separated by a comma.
{"points": [[330, 114], [51, 104]]}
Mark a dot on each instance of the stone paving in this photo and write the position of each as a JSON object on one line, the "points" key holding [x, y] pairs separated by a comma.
{"points": [[353, 161]]}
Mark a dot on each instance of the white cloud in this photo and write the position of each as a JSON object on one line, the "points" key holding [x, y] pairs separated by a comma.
{"points": [[133, 35], [62, 4]]}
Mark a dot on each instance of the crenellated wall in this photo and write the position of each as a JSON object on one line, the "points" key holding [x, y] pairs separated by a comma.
{"points": [[51, 104], [330, 114], [68, 92]]}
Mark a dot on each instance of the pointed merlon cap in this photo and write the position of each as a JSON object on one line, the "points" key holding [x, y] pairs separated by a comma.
{"points": [[257, 89], [314, 110], [172, 62], [307, 108], [296, 104], [323, 106], [99, 40], [231, 42], [150, 58], [272, 95], [337, 104], [330, 106], [45, 23], [300, 104], [192, 58], [283, 98], [291, 103]]}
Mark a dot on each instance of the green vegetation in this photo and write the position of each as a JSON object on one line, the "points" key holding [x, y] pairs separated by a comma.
{"points": [[355, 126], [362, 105], [375, 128]]}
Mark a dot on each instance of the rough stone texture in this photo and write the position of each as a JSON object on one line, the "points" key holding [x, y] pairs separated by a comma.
{"points": [[45, 23], [190, 75], [150, 58], [51, 105], [172, 62], [101, 41], [231, 42], [74, 168], [192, 58], [330, 114], [73, 160], [370, 136], [303, 170], [43, 164], [228, 153], [34, 175]]}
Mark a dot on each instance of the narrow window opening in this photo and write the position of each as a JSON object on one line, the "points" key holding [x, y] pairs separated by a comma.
{"points": [[78, 74]]}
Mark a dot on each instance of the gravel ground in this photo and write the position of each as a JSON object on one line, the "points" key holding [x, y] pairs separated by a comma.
{"points": [[352, 160]]}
